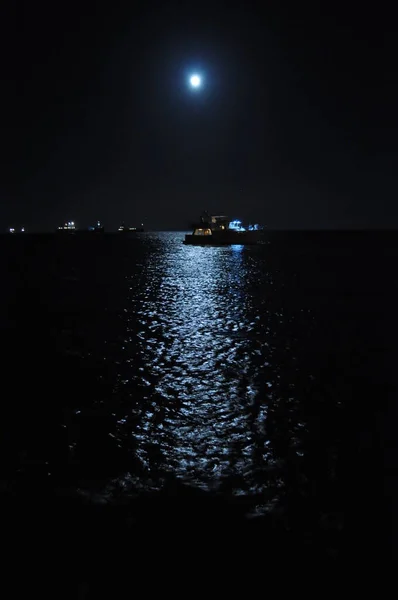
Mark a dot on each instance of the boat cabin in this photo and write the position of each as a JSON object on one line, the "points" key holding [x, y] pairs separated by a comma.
{"points": [[214, 222], [202, 231]]}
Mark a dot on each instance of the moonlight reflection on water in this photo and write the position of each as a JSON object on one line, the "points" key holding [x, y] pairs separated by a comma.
{"points": [[205, 375], [241, 371]]}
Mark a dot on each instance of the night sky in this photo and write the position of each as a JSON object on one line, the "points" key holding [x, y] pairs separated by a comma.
{"points": [[295, 124]]}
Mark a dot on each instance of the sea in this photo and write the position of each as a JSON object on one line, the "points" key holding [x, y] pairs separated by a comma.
{"points": [[242, 386]]}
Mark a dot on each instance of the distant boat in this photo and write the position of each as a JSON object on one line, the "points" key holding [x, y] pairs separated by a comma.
{"points": [[98, 228], [16, 231], [124, 229], [219, 230], [68, 227]]}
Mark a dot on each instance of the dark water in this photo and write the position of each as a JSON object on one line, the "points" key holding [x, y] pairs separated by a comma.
{"points": [[261, 377]]}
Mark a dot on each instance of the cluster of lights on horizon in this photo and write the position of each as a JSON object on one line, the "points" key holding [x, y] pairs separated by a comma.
{"points": [[124, 228], [69, 225]]}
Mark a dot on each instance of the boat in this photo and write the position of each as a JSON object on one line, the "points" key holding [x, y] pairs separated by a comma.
{"points": [[14, 231], [124, 229], [68, 227], [219, 230], [92, 229]]}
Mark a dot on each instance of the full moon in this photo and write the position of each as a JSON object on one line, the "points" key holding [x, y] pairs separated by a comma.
{"points": [[195, 81]]}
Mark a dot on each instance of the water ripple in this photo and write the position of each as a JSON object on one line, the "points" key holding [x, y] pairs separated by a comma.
{"points": [[203, 346]]}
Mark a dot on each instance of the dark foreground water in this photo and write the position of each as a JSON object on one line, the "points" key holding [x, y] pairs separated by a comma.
{"points": [[205, 385]]}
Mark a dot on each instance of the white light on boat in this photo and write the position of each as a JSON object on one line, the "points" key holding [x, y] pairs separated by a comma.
{"points": [[236, 225]]}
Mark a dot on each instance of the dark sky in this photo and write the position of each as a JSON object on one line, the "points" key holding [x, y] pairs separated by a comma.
{"points": [[296, 125]]}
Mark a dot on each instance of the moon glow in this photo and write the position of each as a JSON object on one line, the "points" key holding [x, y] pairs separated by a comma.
{"points": [[195, 81]]}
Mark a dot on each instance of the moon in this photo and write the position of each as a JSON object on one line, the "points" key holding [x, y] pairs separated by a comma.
{"points": [[195, 81]]}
